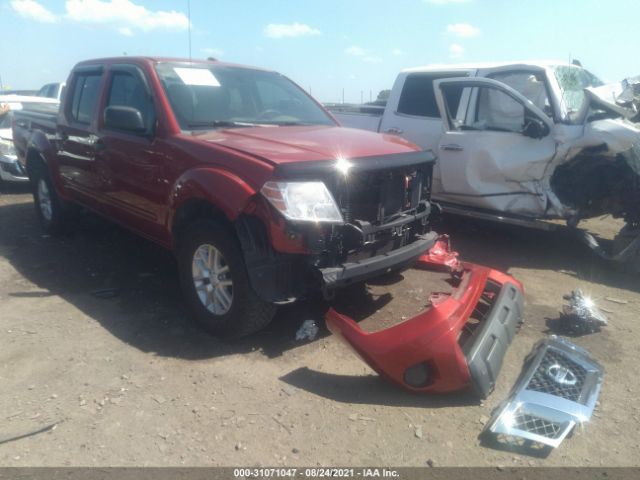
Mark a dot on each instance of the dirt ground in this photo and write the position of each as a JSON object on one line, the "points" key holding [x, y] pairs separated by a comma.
{"points": [[130, 380]]}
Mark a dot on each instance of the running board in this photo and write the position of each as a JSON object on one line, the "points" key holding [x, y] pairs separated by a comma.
{"points": [[498, 217]]}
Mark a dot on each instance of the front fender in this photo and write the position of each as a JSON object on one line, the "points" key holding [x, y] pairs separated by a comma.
{"points": [[224, 190]]}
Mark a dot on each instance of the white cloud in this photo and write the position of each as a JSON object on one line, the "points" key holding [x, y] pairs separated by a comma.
{"points": [[463, 30], [355, 51], [33, 11], [456, 50], [363, 54], [446, 2], [398, 52], [124, 15], [282, 30]]}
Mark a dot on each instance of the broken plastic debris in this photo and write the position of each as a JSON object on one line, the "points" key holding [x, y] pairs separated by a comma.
{"points": [[581, 315], [308, 330]]}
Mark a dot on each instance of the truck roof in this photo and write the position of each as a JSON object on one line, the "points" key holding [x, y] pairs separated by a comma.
{"points": [[479, 65], [154, 60]]}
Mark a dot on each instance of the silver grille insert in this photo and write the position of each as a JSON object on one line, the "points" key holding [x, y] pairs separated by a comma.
{"points": [[557, 390], [536, 425], [553, 365]]}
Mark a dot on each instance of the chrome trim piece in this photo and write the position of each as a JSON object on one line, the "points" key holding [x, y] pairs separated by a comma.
{"points": [[557, 390]]}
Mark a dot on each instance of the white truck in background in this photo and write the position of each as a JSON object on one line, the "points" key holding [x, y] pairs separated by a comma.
{"points": [[522, 142]]}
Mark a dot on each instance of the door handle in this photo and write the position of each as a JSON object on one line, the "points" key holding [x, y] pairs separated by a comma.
{"points": [[394, 131], [452, 147]]}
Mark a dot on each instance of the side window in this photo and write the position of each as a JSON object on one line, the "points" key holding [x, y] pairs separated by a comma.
{"points": [[127, 90], [85, 97], [498, 111], [418, 98], [494, 110], [530, 85]]}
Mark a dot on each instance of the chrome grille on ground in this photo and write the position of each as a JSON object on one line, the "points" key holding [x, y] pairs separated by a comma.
{"points": [[554, 362], [536, 425], [557, 391]]}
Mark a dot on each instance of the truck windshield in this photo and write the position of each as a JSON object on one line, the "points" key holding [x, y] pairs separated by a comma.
{"points": [[214, 96], [572, 81]]}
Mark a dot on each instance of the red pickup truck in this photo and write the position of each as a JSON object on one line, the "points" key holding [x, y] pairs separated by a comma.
{"points": [[261, 194]]}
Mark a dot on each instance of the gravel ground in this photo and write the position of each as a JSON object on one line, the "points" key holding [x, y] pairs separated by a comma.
{"points": [[130, 381]]}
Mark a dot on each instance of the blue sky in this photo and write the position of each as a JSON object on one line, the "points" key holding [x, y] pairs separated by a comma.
{"points": [[324, 45]]}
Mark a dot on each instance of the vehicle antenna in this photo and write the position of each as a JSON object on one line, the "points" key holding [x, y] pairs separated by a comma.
{"points": [[189, 26]]}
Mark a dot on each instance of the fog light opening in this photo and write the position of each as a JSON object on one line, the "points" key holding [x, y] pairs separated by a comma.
{"points": [[418, 375]]}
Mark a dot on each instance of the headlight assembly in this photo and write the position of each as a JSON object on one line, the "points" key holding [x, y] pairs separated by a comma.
{"points": [[303, 201]]}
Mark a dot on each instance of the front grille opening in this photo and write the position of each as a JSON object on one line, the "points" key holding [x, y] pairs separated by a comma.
{"points": [[480, 313], [543, 378], [379, 196]]}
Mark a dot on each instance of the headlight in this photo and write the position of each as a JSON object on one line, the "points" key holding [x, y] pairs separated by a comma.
{"points": [[306, 201], [7, 148]]}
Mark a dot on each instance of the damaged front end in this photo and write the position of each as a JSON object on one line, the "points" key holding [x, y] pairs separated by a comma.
{"points": [[600, 171], [459, 343], [372, 218]]}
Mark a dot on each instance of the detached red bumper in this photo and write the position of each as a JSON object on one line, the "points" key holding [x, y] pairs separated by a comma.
{"points": [[456, 344]]}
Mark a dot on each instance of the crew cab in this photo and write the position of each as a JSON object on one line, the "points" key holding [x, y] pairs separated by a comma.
{"points": [[521, 142], [260, 193], [265, 199]]}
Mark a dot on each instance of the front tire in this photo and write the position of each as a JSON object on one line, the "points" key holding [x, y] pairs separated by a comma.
{"points": [[215, 282]]}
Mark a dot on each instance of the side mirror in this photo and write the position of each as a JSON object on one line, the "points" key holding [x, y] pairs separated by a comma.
{"points": [[128, 119], [535, 128]]}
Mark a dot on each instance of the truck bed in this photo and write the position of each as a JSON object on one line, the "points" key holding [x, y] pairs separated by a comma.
{"points": [[40, 117], [364, 117]]}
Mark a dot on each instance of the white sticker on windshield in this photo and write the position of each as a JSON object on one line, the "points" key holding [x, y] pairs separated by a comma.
{"points": [[197, 76]]}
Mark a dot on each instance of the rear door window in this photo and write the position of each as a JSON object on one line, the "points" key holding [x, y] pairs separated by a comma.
{"points": [[85, 96], [417, 97]]}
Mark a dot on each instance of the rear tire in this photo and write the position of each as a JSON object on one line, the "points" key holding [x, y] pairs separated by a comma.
{"points": [[215, 282], [52, 212]]}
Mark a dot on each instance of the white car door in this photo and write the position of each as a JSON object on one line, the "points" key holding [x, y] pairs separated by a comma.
{"points": [[494, 148]]}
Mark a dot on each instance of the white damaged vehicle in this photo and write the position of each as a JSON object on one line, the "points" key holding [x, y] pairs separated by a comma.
{"points": [[523, 142], [11, 171]]}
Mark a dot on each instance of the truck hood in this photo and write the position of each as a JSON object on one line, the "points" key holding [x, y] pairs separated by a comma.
{"points": [[282, 145], [622, 97]]}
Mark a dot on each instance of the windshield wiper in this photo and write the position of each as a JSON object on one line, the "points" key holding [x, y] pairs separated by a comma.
{"points": [[290, 124], [221, 123]]}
